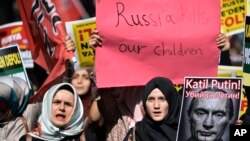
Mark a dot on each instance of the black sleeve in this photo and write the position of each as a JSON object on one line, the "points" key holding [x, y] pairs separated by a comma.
{"points": [[130, 132], [73, 138], [225, 58], [24, 138]]}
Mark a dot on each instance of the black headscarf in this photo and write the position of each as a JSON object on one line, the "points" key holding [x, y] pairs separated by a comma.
{"points": [[166, 130]]}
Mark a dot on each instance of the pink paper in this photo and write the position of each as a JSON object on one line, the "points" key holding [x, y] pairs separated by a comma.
{"points": [[172, 38]]}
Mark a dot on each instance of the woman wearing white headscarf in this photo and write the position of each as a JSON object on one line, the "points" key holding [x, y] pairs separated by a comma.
{"points": [[61, 117]]}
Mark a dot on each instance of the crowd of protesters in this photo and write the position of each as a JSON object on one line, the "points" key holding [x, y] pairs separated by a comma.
{"points": [[78, 110]]}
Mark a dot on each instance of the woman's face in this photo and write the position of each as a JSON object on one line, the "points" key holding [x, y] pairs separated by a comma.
{"points": [[81, 82], [62, 108], [157, 105]]}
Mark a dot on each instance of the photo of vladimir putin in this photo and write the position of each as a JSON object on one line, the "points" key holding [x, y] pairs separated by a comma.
{"points": [[209, 117]]}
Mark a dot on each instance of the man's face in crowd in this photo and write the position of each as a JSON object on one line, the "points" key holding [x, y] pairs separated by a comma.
{"points": [[209, 118], [81, 82]]}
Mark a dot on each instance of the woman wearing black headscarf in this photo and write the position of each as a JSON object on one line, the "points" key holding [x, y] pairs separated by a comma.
{"points": [[161, 104]]}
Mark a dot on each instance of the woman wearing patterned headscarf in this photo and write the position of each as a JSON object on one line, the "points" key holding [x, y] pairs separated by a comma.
{"points": [[16, 115]]}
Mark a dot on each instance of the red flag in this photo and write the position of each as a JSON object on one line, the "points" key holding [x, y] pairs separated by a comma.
{"points": [[70, 10], [46, 34]]}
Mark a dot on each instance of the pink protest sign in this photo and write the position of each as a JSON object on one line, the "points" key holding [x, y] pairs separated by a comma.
{"points": [[147, 38]]}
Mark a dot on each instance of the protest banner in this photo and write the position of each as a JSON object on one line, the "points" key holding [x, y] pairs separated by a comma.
{"points": [[248, 7], [80, 31], [209, 105], [144, 39], [246, 56], [244, 103], [11, 63], [246, 61], [13, 33], [46, 34], [233, 16], [234, 71]]}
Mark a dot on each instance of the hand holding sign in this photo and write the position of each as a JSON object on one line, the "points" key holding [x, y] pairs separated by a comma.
{"points": [[223, 42], [69, 44], [95, 39]]}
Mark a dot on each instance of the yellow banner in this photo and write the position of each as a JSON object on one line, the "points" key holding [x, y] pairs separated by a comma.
{"points": [[246, 80], [248, 7], [82, 31], [233, 71], [233, 16], [243, 106]]}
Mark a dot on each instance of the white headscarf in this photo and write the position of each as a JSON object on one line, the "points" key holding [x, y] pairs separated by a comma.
{"points": [[75, 126]]}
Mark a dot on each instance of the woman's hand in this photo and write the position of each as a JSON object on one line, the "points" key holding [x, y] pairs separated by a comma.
{"points": [[95, 39], [238, 122], [69, 44], [223, 42]]}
